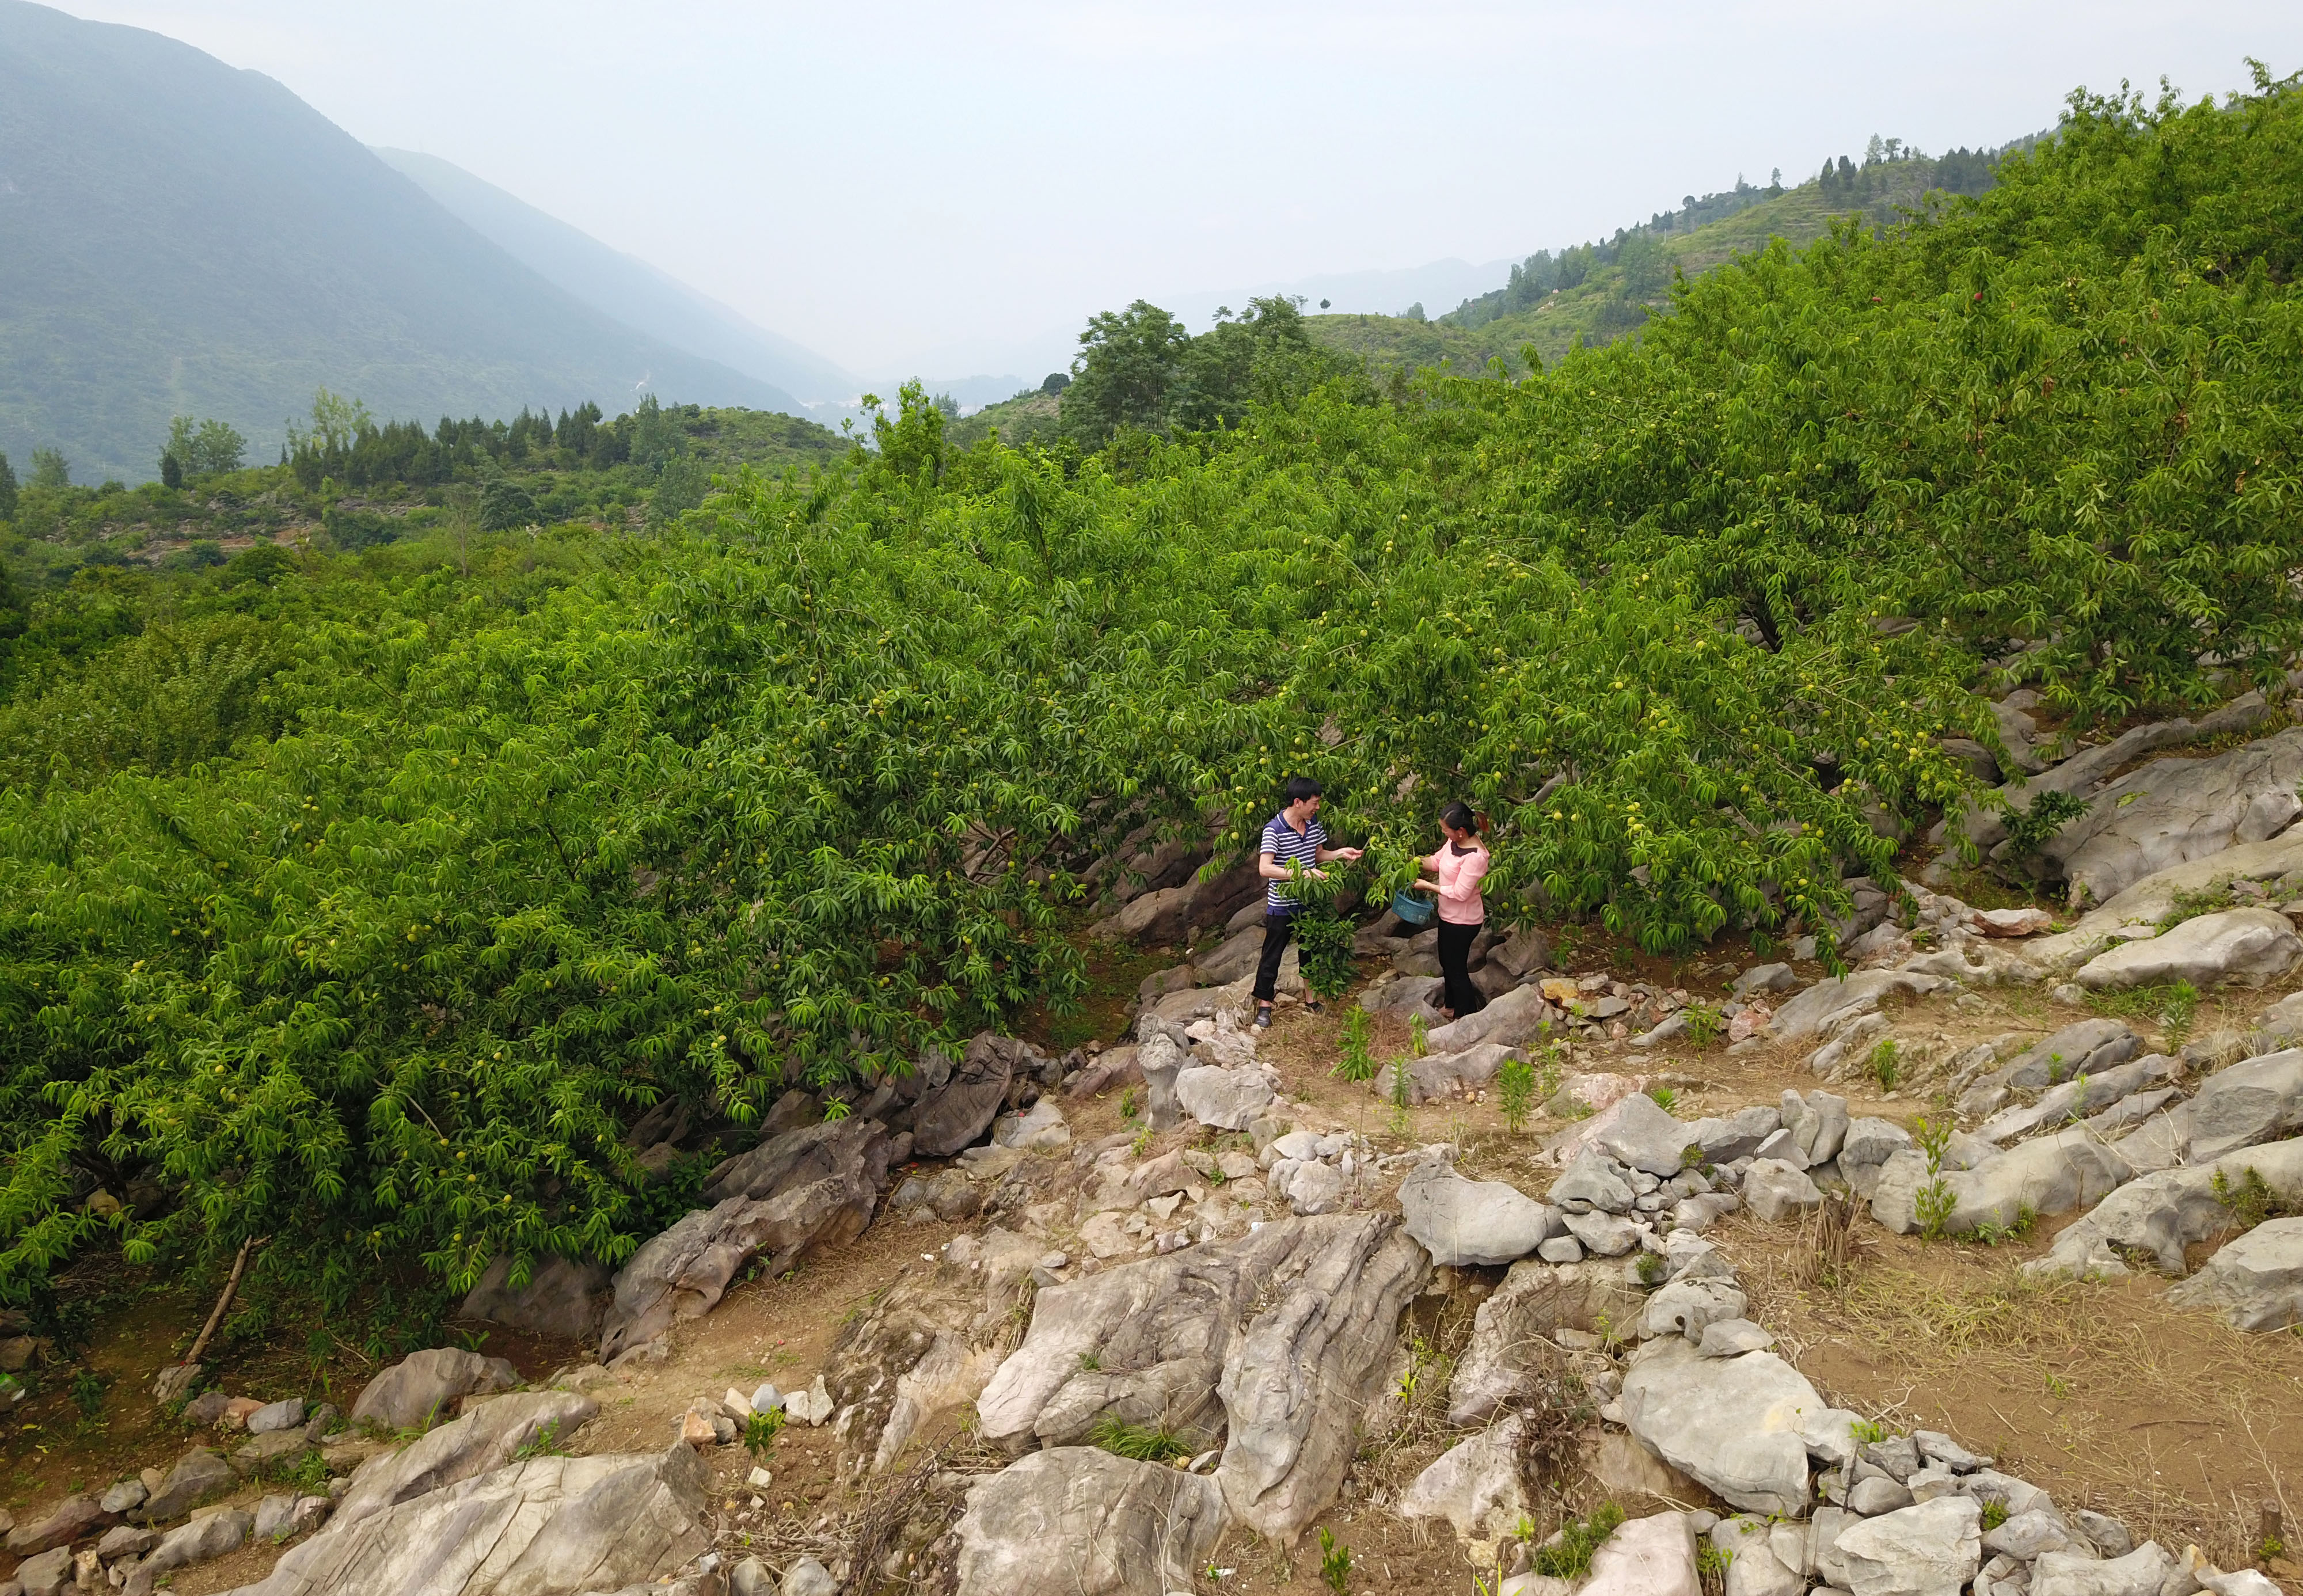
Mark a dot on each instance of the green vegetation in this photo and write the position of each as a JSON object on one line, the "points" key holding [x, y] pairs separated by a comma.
{"points": [[1335, 1563], [1994, 1513], [761, 1430], [1886, 1063], [2249, 1198], [364, 895], [1146, 1443], [1590, 294], [1515, 1092], [1356, 1062], [1570, 1556]]}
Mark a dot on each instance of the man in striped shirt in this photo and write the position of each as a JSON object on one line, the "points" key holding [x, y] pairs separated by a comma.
{"points": [[1294, 842]]}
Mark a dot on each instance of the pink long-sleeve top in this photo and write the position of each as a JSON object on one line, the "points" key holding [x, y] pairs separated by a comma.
{"points": [[1459, 875]]}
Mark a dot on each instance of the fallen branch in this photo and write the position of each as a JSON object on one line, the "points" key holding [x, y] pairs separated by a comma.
{"points": [[174, 1378]]}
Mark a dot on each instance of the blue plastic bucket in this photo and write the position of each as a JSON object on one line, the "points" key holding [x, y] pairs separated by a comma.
{"points": [[1414, 907]]}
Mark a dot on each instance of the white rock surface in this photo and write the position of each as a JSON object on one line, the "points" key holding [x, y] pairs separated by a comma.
{"points": [[2049, 1176], [1041, 1129], [1280, 1337], [1813, 1009], [2250, 1102], [2164, 1212], [2247, 945], [1931, 1549], [1078, 1521], [1735, 1424], [1774, 1190], [1461, 1221], [2255, 1281], [1753, 1568], [549, 1526], [2173, 811], [1646, 1557], [1474, 1485], [1225, 1099], [2141, 1573]]}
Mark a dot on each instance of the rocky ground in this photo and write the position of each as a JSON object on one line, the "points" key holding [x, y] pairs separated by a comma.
{"points": [[1979, 1268]]}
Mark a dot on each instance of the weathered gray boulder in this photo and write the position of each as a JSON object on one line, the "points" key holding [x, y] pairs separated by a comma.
{"points": [[1592, 1184], [1753, 1568], [76, 1516], [1602, 1235], [1436, 1076], [1739, 1134], [1474, 1485], [202, 1540], [1870, 1142], [2141, 1573], [1736, 1424], [547, 1526], [1814, 1009], [198, 1475], [1225, 1099], [2079, 1096], [1817, 1123], [2248, 1104], [1517, 1018], [45, 1574], [1775, 1191], [2247, 945], [683, 1274], [562, 1298], [2173, 811], [1077, 1521], [1041, 1128], [424, 1387], [285, 1516], [287, 1413], [2165, 1211], [2049, 1176], [1689, 1308], [485, 1439], [957, 1113], [2088, 1047], [1932, 1548], [1461, 1221], [2148, 901], [1646, 1557], [2255, 1281], [1511, 1331], [1643, 1134], [1289, 1327]]}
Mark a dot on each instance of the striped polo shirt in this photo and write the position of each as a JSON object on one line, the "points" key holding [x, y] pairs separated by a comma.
{"points": [[1284, 843]]}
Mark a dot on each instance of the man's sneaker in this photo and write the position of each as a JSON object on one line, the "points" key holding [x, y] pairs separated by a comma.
{"points": [[1313, 1006], [1263, 1019]]}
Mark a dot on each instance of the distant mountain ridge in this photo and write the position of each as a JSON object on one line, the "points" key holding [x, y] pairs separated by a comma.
{"points": [[623, 286], [180, 237]]}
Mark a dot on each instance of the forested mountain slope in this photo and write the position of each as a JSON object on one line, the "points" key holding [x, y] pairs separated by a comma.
{"points": [[177, 237], [1597, 291]]}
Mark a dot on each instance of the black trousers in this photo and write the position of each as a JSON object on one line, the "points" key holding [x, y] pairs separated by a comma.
{"points": [[1276, 929], [1455, 968]]}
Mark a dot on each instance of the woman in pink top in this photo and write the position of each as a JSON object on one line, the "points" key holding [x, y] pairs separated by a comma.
{"points": [[1460, 863]]}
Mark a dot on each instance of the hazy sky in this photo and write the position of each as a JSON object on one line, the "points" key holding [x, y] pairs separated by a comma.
{"points": [[955, 188]]}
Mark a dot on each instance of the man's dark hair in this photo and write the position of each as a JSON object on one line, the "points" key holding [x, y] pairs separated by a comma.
{"points": [[1300, 787]]}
